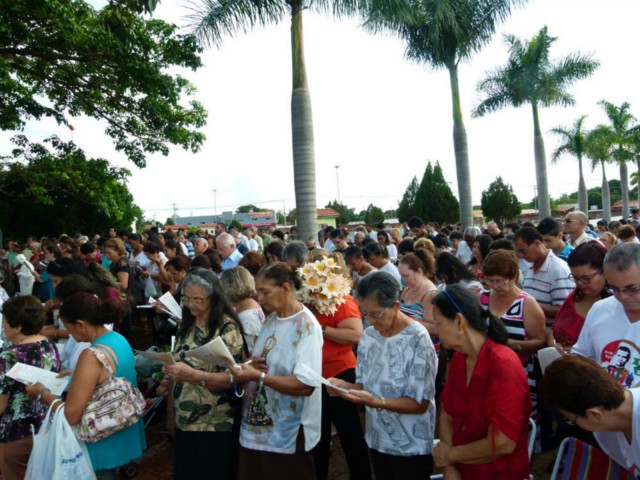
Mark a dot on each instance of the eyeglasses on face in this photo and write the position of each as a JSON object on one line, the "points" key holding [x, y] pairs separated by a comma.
{"points": [[373, 315], [568, 220], [630, 290], [584, 278], [194, 300]]}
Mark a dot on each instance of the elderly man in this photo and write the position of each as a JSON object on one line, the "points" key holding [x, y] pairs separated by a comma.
{"points": [[294, 254], [575, 225], [611, 331], [547, 280], [226, 246], [200, 245]]}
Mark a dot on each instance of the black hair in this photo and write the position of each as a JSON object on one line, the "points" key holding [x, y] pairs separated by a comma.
{"points": [[415, 222], [280, 273], [88, 307], [458, 299], [62, 267], [485, 242], [375, 249], [450, 269], [73, 284], [275, 248], [87, 247], [353, 250], [528, 235], [381, 286], [405, 246], [549, 226], [440, 241], [502, 244], [455, 235]]}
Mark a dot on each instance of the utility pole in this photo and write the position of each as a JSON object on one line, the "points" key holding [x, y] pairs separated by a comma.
{"points": [[215, 207], [337, 181], [175, 213]]}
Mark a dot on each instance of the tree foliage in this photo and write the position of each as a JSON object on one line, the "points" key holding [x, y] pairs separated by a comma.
{"points": [[53, 188], [61, 59], [372, 215], [434, 201], [407, 204], [346, 214], [499, 202], [251, 208]]}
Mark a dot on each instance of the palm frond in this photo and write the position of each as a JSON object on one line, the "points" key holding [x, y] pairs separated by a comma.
{"points": [[210, 20]]}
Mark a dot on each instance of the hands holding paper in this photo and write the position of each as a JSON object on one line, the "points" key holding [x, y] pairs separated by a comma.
{"points": [[349, 391], [181, 372], [249, 371]]}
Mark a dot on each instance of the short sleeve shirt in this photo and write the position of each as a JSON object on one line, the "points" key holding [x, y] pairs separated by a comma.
{"points": [[338, 357], [198, 408], [22, 412], [404, 365], [498, 394]]}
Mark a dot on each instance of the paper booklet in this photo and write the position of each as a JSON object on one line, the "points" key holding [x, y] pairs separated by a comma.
{"points": [[169, 305], [315, 376], [215, 352], [28, 374], [158, 357]]}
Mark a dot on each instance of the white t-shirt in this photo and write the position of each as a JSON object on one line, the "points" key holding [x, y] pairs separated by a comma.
{"points": [[393, 253], [609, 338], [251, 321], [271, 422], [329, 246], [615, 444], [393, 270]]}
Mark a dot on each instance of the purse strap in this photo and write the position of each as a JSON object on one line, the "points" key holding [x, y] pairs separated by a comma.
{"points": [[101, 352]]}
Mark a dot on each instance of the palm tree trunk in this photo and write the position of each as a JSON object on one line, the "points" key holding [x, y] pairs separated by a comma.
{"points": [[624, 186], [304, 168], [606, 197], [583, 200], [461, 150], [638, 164], [544, 207]]}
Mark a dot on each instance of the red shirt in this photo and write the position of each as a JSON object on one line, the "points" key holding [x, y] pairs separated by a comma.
{"points": [[568, 323], [498, 394], [337, 357]]}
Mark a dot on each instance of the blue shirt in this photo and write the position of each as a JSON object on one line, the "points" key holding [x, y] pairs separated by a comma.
{"points": [[232, 260], [564, 254]]}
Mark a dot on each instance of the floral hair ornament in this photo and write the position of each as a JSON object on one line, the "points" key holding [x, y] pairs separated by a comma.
{"points": [[323, 285]]}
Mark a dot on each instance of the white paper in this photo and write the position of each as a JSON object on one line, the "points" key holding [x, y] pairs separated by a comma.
{"points": [[28, 374], [158, 357], [547, 356], [315, 376], [215, 352], [171, 305]]}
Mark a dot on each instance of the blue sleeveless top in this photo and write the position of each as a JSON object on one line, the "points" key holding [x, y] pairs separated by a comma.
{"points": [[128, 444]]}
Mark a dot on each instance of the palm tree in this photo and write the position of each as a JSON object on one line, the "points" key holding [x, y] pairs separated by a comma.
{"points": [[596, 147], [531, 77], [442, 33], [211, 19], [619, 136], [573, 144]]}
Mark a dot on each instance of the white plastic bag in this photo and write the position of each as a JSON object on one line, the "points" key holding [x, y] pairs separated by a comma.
{"points": [[59, 454]]}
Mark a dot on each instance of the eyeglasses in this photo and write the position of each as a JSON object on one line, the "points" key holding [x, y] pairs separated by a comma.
{"points": [[584, 278], [194, 300], [568, 220], [630, 290], [496, 283], [375, 316], [572, 421]]}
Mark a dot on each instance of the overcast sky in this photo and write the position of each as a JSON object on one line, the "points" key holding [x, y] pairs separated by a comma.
{"points": [[377, 115]]}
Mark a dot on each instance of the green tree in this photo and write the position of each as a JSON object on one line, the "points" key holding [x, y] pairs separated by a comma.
{"points": [[170, 221], [619, 137], [407, 204], [442, 33], [250, 208], [573, 144], [346, 214], [531, 77], [53, 188], [212, 19], [373, 215], [499, 202], [435, 201], [64, 59]]}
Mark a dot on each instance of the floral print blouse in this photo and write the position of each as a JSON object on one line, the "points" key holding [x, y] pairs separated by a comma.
{"points": [[21, 411]]}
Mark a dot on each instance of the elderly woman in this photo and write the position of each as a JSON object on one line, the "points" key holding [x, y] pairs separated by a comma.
{"points": [[282, 404], [482, 436], [586, 264], [240, 288], [23, 318], [519, 311], [206, 420], [395, 381], [378, 257], [86, 317]]}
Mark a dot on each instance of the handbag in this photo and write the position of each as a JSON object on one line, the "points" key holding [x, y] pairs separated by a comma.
{"points": [[57, 454], [114, 405]]}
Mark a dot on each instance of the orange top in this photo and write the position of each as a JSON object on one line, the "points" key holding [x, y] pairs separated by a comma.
{"points": [[337, 357]]}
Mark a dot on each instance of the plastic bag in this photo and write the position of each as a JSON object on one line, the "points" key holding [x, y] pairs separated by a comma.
{"points": [[150, 288], [57, 454]]}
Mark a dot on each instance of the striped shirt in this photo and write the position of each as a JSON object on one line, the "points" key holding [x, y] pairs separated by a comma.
{"points": [[550, 284]]}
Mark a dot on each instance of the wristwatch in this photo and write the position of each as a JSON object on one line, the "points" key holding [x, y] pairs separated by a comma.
{"points": [[203, 382], [384, 404]]}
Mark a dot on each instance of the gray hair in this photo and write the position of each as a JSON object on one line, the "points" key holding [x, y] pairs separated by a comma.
{"points": [[225, 239], [296, 250], [472, 231], [623, 256], [581, 216], [381, 286], [202, 277]]}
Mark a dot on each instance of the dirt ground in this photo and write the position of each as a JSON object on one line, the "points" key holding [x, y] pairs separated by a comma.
{"points": [[158, 459]]}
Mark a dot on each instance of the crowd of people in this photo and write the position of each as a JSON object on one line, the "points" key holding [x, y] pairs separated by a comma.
{"points": [[433, 332]]}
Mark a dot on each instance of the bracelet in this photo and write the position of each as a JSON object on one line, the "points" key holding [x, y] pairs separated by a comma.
{"points": [[262, 377], [233, 380], [384, 404], [41, 392], [203, 382]]}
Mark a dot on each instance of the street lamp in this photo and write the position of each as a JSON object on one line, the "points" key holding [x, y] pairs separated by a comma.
{"points": [[337, 180], [215, 207]]}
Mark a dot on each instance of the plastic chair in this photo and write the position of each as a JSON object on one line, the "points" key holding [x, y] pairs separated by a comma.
{"points": [[582, 461], [531, 441]]}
